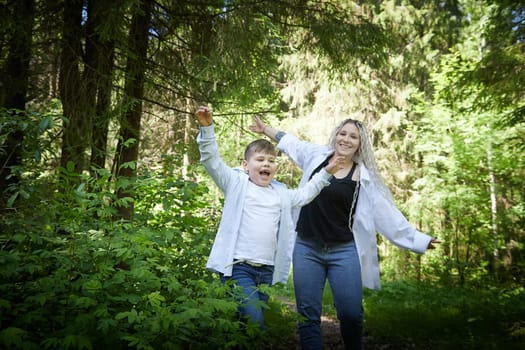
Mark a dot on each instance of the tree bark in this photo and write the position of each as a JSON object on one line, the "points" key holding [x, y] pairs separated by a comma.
{"points": [[134, 92], [99, 55], [74, 135], [15, 77]]}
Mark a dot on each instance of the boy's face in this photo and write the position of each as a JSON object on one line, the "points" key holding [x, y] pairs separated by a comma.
{"points": [[261, 168]]}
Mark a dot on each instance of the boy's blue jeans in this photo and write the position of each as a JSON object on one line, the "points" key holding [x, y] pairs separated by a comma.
{"points": [[248, 278], [313, 263]]}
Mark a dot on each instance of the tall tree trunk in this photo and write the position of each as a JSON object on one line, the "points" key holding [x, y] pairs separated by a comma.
{"points": [[419, 226], [201, 44], [191, 149], [493, 211], [90, 74], [102, 114], [100, 52], [187, 139], [14, 85], [74, 135], [134, 92]]}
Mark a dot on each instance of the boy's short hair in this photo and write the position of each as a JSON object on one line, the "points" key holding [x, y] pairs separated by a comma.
{"points": [[260, 145]]}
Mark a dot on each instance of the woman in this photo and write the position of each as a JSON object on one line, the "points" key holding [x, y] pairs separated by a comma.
{"points": [[336, 233]]}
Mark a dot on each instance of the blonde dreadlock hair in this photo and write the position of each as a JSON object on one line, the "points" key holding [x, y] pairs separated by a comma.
{"points": [[364, 155]]}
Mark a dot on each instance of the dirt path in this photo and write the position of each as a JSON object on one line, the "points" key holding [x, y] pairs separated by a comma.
{"points": [[332, 337], [330, 328]]}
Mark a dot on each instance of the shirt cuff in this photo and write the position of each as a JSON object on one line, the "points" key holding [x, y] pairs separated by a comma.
{"points": [[325, 174], [279, 135], [207, 132]]}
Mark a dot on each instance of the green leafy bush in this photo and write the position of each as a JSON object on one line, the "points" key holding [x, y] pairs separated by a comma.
{"points": [[73, 277]]}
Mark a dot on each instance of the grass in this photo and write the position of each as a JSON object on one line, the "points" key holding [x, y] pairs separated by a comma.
{"points": [[423, 316]]}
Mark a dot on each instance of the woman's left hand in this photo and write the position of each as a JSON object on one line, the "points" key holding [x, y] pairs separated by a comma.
{"points": [[258, 125], [432, 242]]}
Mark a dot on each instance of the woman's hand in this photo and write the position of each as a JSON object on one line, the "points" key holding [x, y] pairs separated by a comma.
{"points": [[432, 242], [258, 125]]}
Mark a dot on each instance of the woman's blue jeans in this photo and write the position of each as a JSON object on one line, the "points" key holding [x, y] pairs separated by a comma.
{"points": [[248, 278], [313, 263]]}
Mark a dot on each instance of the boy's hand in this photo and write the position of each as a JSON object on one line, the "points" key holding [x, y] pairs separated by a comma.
{"points": [[204, 116], [335, 164]]}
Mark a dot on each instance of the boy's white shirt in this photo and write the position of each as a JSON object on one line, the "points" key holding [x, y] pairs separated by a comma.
{"points": [[233, 183], [374, 214], [257, 240]]}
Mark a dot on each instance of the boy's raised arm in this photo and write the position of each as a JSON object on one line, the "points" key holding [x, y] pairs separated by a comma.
{"points": [[204, 116]]}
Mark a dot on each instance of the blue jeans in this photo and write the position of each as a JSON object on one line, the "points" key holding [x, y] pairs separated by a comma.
{"points": [[313, 263], [248, 278]]}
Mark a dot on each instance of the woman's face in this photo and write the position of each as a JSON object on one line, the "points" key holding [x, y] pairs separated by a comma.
{"points": [[347, 140]]}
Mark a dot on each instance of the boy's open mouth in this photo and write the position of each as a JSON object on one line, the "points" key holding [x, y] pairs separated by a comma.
{"points": [[265, 172]]}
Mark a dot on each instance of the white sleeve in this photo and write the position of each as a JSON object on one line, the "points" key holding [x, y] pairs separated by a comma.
{"points": [[393, 225], [297, 150], [221, 173], [308, 192]]}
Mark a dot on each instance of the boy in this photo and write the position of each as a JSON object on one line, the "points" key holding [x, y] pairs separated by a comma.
{"points": [[254, 242]]}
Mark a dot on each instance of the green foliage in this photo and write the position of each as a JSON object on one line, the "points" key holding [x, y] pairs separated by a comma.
{"points": [[344, 34], [433, 317], [38, 130], [74, 278], [445, 114], [469, 164]]}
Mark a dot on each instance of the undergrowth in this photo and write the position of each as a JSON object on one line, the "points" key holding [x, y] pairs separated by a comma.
{"points": [[445, 317], [73, 276]]}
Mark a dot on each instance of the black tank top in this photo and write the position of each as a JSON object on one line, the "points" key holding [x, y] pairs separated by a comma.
{"points": [[325, 219]]}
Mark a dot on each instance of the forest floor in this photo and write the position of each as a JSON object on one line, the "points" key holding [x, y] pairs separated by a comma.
{"points": [[332, 337]]}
